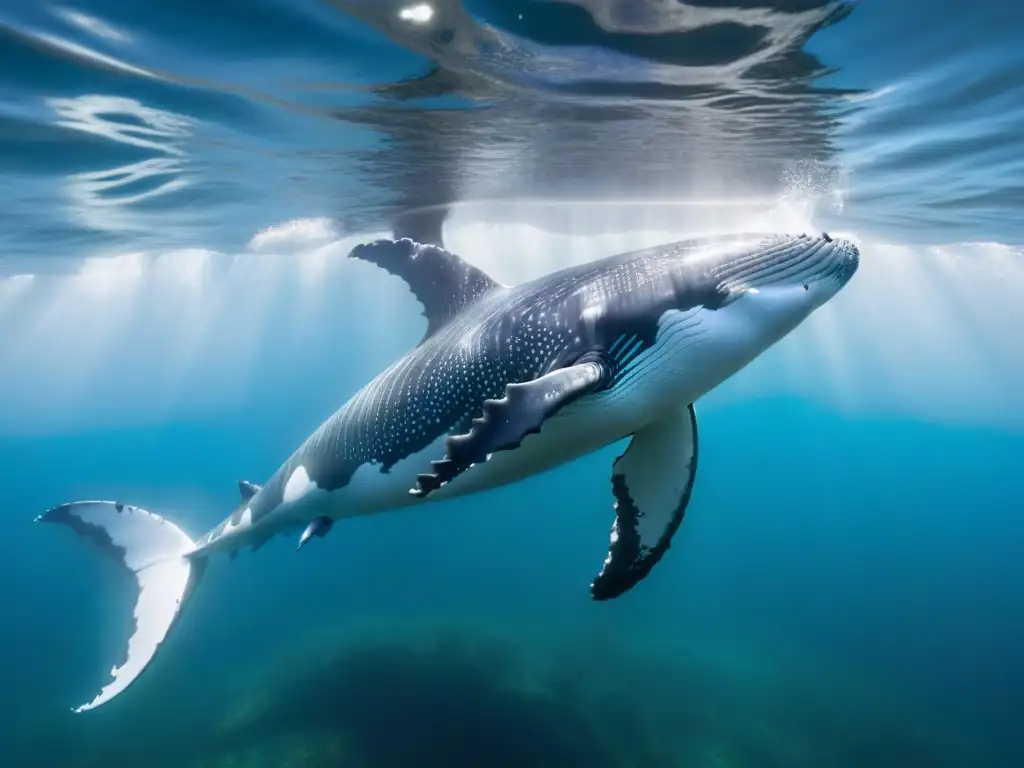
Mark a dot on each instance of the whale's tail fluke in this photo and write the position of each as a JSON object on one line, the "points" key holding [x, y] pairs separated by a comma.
{"points": [[154, 552]]}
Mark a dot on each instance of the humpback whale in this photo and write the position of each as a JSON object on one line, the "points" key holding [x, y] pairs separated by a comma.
{"points": [[507, 382]]}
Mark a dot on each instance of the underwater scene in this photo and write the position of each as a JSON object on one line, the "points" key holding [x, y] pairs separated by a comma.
{"points": [[506, 243]]}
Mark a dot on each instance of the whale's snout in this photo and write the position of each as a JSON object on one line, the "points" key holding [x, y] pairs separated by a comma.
{"points": [[805, 261], [847, 258]]}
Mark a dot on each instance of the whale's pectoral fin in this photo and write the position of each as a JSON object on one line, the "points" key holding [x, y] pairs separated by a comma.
{"points": [[318, 526], [652, 483], [443, 283], [505, 422]]}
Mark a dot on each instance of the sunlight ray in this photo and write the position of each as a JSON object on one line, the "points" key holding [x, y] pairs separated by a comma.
{"points": [[13, 290], [926, 332], [85, 316]]}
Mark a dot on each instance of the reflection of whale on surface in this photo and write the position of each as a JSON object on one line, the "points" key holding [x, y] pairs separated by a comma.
{"points": [[593, 99], [506, 383]]}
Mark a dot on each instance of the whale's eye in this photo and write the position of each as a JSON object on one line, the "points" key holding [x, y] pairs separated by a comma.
{"points": [[807, 287]]}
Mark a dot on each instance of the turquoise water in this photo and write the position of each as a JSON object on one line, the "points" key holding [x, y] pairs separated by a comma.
{"points": [[181, 183]]}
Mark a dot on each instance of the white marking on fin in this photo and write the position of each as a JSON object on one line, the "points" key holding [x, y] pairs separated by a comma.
{"points": [[151, 549]]}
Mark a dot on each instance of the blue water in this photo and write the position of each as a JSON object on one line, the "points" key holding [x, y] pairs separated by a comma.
{"points": [[180, 185]]}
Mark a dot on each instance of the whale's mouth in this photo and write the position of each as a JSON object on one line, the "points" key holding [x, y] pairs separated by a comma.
{"points": [[790, 261]]}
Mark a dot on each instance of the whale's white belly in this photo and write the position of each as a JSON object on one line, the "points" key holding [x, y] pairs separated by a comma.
{"points": [[582, 427]]}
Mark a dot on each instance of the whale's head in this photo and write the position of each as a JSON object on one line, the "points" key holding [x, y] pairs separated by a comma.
{"points": [[786, 276], [772, 288], [732, 298], [767, 286]]}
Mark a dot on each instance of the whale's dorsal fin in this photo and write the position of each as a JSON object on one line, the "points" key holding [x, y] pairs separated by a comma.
{"points": [[247, 489], [652, 483], [443, 283]]}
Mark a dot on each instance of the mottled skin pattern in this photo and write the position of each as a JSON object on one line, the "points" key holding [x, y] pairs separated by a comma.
{"points": [[486, 336]]}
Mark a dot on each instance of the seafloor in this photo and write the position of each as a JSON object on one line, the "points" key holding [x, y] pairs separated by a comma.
{"points": [[401, 696]]}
